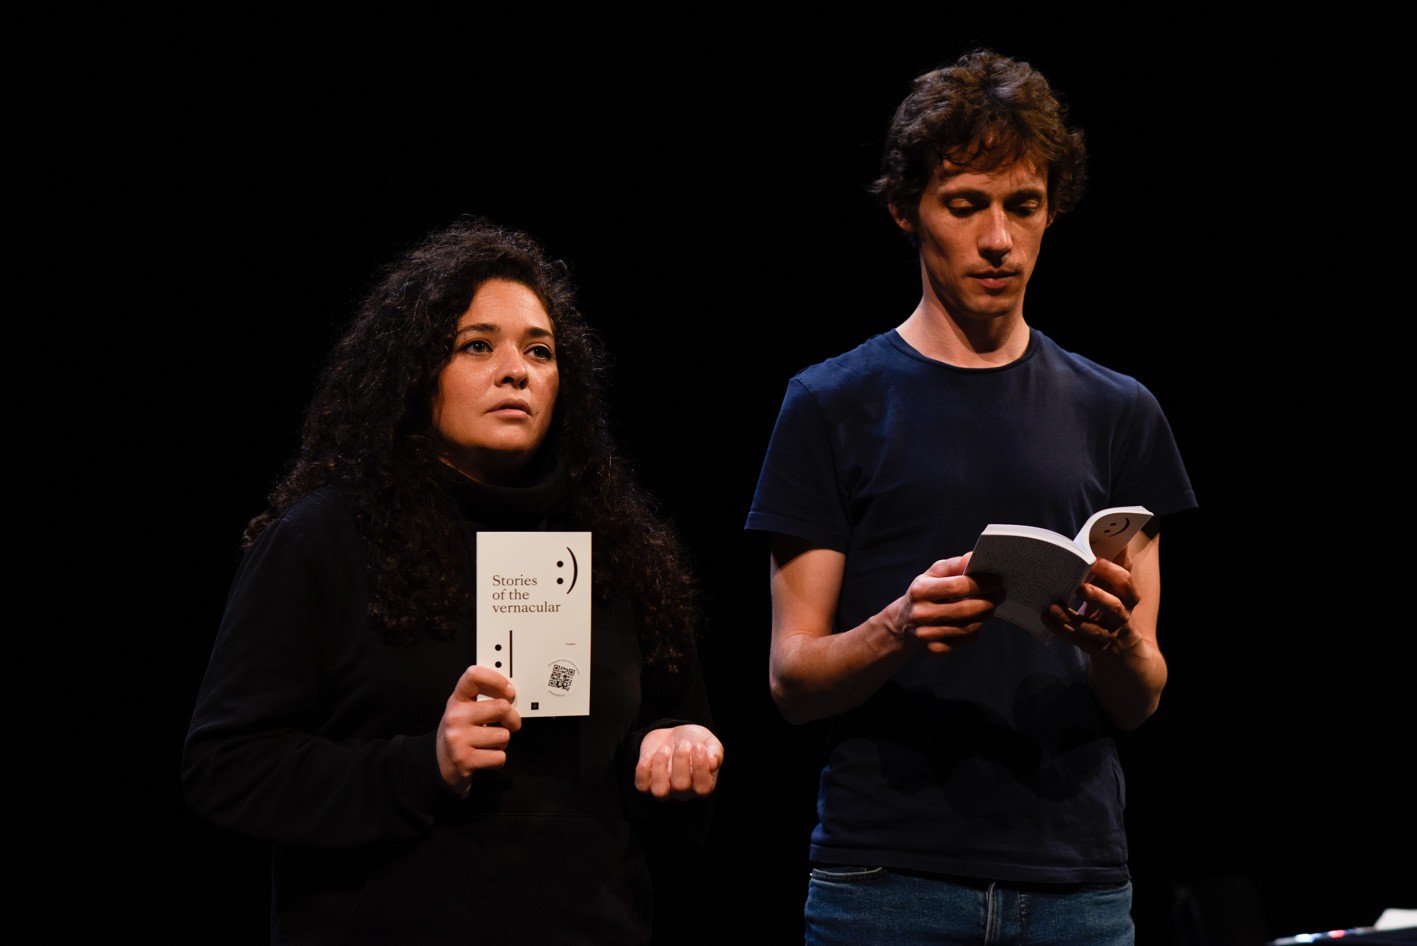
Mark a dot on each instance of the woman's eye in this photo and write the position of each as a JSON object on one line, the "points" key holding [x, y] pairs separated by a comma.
{"points": [[542, 352], [477, 345]]}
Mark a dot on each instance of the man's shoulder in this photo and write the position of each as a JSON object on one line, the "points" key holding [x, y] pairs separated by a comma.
{"points": [[874, 354], [1055, 358]]}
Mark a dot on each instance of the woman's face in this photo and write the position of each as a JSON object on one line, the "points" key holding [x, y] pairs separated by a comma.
{"points": [[495, 396]]}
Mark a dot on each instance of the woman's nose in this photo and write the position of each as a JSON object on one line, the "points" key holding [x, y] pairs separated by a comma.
{"points": [[514, 371]]}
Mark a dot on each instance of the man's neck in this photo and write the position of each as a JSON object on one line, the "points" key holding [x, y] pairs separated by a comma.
{"points": [[935, 333]]}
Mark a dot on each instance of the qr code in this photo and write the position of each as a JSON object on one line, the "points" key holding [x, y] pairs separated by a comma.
{"points": [[561, 676]]}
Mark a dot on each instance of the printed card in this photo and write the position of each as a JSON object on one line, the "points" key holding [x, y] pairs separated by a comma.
{"points": [[533, 617]]}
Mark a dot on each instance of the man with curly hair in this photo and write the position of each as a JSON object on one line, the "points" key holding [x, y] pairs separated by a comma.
{"points": [[972, 791]]}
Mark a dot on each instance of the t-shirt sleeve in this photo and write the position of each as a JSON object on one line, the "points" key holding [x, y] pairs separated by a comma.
{"points": [[1154, 472], [799, 491]]}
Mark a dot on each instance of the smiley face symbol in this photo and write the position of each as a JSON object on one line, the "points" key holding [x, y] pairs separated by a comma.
{"points": [[1114, 525], [575, 570]]}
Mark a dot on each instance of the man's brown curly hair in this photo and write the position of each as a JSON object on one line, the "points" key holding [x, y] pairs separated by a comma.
{"points": [[981, 112]]}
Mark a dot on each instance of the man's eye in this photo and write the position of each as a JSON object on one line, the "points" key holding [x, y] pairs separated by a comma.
{"points": [[961, 210]]}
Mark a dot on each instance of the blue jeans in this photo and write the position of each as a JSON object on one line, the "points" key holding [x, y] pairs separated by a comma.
{"points": [[873, 906]]}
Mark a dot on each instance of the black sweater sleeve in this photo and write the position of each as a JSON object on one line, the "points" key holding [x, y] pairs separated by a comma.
{"points": [[266, 753]]}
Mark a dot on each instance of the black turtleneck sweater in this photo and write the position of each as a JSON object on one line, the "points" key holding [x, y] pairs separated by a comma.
{"points": [[312, 733]]}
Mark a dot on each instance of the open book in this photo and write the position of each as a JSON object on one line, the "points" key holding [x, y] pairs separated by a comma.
{"points": [[1039, 566]]}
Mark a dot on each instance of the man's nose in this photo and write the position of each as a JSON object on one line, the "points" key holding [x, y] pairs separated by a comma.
{"points": [[995, 240]]}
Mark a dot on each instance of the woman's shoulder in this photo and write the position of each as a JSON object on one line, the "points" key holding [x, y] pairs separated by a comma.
{"points": [[322, 505], [320, 517]]}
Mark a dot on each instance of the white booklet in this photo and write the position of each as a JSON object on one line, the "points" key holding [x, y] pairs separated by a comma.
{"points": [[533, 617]]}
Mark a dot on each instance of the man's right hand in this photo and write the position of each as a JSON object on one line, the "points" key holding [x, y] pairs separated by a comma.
{"points": [[944, 608], [815, 673]]}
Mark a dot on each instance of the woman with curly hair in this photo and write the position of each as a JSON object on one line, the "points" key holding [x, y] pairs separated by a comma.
{"points": [[343, 718]]}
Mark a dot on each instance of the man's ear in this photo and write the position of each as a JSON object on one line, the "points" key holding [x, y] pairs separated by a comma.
{"points": [[900, 219]]}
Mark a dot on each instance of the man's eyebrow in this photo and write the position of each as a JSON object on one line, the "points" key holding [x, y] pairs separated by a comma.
{"points": [[974, 193]]}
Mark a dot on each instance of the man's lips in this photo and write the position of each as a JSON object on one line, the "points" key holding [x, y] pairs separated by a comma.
{"points": [[994, 278]]}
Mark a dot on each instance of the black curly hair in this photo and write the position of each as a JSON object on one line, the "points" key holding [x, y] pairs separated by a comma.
{"points": [[368, 432]]}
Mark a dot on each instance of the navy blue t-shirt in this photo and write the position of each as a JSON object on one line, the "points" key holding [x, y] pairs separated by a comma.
{"points": [[994, 761]]}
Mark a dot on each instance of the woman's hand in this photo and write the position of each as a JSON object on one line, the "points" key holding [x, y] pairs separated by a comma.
{"points": [[473, 733], [679, 762]]}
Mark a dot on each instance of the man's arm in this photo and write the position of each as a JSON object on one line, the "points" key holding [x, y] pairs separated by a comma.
{"points": [[814, 673], [1128, 671]]}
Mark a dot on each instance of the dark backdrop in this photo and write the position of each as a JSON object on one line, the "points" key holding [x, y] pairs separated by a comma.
{"points": [[706, 181]]}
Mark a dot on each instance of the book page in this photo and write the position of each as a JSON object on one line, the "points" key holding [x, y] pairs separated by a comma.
{"points": [[1107, 531], [533, 617], [1035, 566]]}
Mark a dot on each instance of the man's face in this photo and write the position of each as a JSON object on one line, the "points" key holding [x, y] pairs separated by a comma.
{"points": [[979, 236]]}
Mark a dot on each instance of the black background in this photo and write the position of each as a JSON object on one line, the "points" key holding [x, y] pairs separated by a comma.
{"points": [[220, 193]]}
